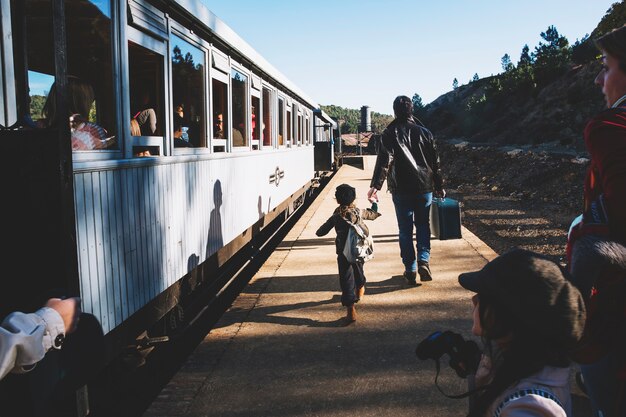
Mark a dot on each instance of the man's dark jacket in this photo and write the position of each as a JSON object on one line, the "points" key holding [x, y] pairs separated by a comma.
{"points": [[394, 160]]}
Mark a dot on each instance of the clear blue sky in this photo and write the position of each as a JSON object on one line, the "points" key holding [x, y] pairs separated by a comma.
{"points": [[366, 52]]}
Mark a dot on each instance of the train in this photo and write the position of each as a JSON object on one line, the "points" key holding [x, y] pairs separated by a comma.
{"points": [[146, 144]]}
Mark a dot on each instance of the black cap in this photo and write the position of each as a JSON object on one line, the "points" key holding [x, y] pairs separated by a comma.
{"points": [[536, 290], [345, 194]]}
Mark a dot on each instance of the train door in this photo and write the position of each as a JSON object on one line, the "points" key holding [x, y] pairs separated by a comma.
{"points": [[57, 60], [57, 86]]}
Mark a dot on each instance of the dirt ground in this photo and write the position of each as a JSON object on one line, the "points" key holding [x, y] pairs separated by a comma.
{"points": [[516, 197]]}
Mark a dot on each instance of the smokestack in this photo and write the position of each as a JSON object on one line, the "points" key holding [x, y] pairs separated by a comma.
{"points": [[366, 119]]}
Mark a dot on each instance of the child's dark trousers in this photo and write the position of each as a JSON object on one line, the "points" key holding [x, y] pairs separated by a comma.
{"points": [[351, 277]]}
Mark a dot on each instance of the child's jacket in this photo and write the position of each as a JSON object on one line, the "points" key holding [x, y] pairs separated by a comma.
{"points": [[340, 223]]}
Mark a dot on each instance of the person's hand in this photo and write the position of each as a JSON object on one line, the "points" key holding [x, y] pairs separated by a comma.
{"points": [[68, 309], [372, 195], [440, 193]]}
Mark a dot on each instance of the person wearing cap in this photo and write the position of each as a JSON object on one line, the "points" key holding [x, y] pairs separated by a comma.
{"points": [[408, 160], [351, 276], [530, 317], [596, 245]]}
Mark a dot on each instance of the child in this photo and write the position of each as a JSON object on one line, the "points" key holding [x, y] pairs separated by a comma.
{"points": [[351, 276]]}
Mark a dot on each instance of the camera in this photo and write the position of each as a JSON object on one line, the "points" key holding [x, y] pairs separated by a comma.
{"points": [[464, 354]]}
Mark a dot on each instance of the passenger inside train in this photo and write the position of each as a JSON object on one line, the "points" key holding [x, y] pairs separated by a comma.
{"points": [[218, 127], [86, 134], [181, 130], [144, 112]]}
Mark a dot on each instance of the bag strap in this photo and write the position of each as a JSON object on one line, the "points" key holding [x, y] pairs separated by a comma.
{"points": [[524, 392], [409, 156], [356, 226]]}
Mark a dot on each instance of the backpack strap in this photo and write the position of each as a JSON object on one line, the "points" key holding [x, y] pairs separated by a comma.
{"points": [[522, 393]]}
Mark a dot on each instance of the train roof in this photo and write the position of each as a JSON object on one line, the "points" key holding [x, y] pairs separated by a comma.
{"points": [[230, 37], [325, 117]]}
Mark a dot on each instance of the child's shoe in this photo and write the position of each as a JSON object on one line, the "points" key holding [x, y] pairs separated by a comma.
{"points": [[351, 316]]}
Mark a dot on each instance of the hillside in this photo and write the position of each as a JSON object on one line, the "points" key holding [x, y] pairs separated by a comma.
{"points": [[547, 96], [557, 113]]}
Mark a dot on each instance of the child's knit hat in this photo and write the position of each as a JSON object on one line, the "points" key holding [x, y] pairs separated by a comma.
{"points": [[345, 194]]}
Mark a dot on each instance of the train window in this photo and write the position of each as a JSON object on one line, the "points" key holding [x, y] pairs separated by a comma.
{"points": [[281, 122], [240, 107], [88, 25], [39, 86], [220, 114], [307, 132], [188, 68], [146, 75], [254, 116], [289, 130], [267, 117], [30, 76], [90, 89], [299, 127]]}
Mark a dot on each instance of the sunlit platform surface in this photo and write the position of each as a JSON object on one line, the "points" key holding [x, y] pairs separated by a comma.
{"points": [[284, 349]]}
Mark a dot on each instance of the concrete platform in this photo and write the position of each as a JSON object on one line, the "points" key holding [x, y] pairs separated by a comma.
{"points": [[283, 348]]}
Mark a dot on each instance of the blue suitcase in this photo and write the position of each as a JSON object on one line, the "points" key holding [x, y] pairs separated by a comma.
{"points": [[445, 219]]}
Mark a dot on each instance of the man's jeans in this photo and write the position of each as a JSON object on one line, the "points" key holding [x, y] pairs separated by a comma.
{"points": [[413, 209]]}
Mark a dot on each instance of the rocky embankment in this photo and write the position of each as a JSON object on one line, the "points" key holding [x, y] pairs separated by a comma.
{"points": [[516, 196]]}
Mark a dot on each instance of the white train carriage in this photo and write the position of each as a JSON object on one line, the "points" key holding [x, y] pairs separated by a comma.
{"points": [[145, 144]]}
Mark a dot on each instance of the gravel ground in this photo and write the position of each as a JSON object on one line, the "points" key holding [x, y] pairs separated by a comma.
{"points": [[516, 197]]}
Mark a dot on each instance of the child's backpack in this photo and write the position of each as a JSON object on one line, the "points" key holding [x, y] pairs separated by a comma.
{"points": [[359, 246]]}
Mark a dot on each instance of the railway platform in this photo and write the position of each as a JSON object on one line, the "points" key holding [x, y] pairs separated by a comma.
{"points": [[284, 349]]}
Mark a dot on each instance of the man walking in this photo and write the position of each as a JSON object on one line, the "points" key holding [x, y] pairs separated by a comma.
{"points": [[409, 161]]}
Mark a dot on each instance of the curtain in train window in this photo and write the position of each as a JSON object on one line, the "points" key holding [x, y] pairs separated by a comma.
{"points": [[91, 101], [267, 117], [188, 66], [281, 122], [240, 108]]}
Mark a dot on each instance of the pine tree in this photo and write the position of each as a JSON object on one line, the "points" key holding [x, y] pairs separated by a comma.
{"points": [[455, 84], [507, 65], [525, 58], [419, 110], [552, 57]]}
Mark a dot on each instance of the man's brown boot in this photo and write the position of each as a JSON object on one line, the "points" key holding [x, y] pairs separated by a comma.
{"points": [[360, 293], [351, 316]]}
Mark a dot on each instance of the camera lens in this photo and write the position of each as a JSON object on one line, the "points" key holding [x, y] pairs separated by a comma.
{"points": [[429, 347]]}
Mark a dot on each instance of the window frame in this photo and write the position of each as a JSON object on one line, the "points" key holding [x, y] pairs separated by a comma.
{"points": [[288, 122], [160, 47], [273, 120], [219, 70], [256, 93], [96, 155], [187, 35]]}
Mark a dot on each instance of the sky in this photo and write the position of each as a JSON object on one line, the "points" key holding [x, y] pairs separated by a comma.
{"points": [[354, 53]]}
